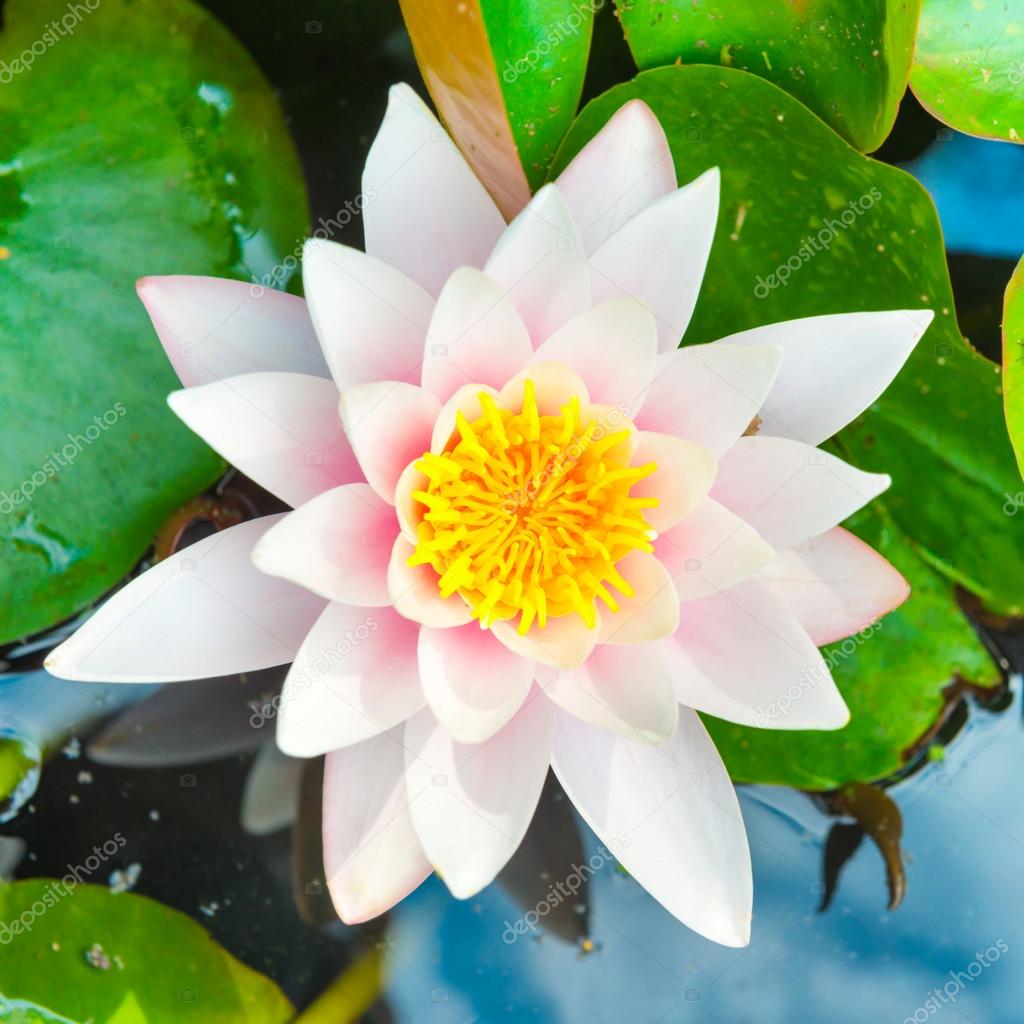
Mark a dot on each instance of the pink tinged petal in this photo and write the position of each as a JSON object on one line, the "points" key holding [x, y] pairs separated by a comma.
{"points": [[211, 328], [565, 642], [408, 509], [789, 491], [741, 656], [711, 550], [659, 256], [416, 594], [338, 545], [467, 401], [205, 611], [389, 424], [270, 799], [610, 420], [652, 612], [554, 384], [669, 814], [371, 319], [539, 262], [472, 804], [621, 171], [372, 857], [473, 684], [354, 677], [280, 429], [475, 336], [683, 477], [833, 368], [426, 213], [613, 348], [629, 691], [835, 585], [709, 394]]}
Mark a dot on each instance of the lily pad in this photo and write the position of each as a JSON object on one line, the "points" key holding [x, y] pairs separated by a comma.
{"points": [[1013, 364], [141, 140], [938, 430], [848, 61], [506, 77], [969, 66], [87, 954]]}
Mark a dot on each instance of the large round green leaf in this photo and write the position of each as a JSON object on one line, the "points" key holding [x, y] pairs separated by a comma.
{"points": [[88, 954], [1013, 365], [136, 137], [938, 430], [848, 60], [969, 66]]}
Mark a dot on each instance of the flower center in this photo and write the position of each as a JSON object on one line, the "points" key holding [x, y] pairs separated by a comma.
{"points": [[528, 515]]}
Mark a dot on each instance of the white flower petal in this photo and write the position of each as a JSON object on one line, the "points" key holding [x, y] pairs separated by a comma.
{"points": [[683, 477], [371, 319], [627, 690], [205, 611], [788, 491], [338, 545], [467, 401], [659, 256], [553, 384], [211, 328], [473, 684], [471, 805], [612, 347], [835, 585], [709, 394], [565, 642], [354, 677], [540, 263], [389, 424], [669, 814], [372, 856], [711, 550], [833, 367], [741, 656], [475, 336], [653, 610], [618, 173], [415, 593], [425, 211], [280, 429]]}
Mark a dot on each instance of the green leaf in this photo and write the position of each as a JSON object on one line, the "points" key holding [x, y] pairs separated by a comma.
{"points": [[969, 66], [1013, 368], [141, 141], [92, 955], [540, 50], [848, 60], [938, 430], [506, 76]]}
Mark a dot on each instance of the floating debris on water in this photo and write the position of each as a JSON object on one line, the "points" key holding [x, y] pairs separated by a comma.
{"points": [[154, 815], [84, 777], [72, 749], [122, 881], [209, 909]]}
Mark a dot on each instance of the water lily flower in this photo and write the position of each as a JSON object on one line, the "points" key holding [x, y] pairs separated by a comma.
{"points": [[528, 530]]}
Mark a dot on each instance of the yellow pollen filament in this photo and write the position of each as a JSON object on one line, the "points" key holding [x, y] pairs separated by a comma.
{"points": [[526, 515]]}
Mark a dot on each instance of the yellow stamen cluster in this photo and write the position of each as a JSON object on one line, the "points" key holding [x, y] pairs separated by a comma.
{"points": [[528, 514]]}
